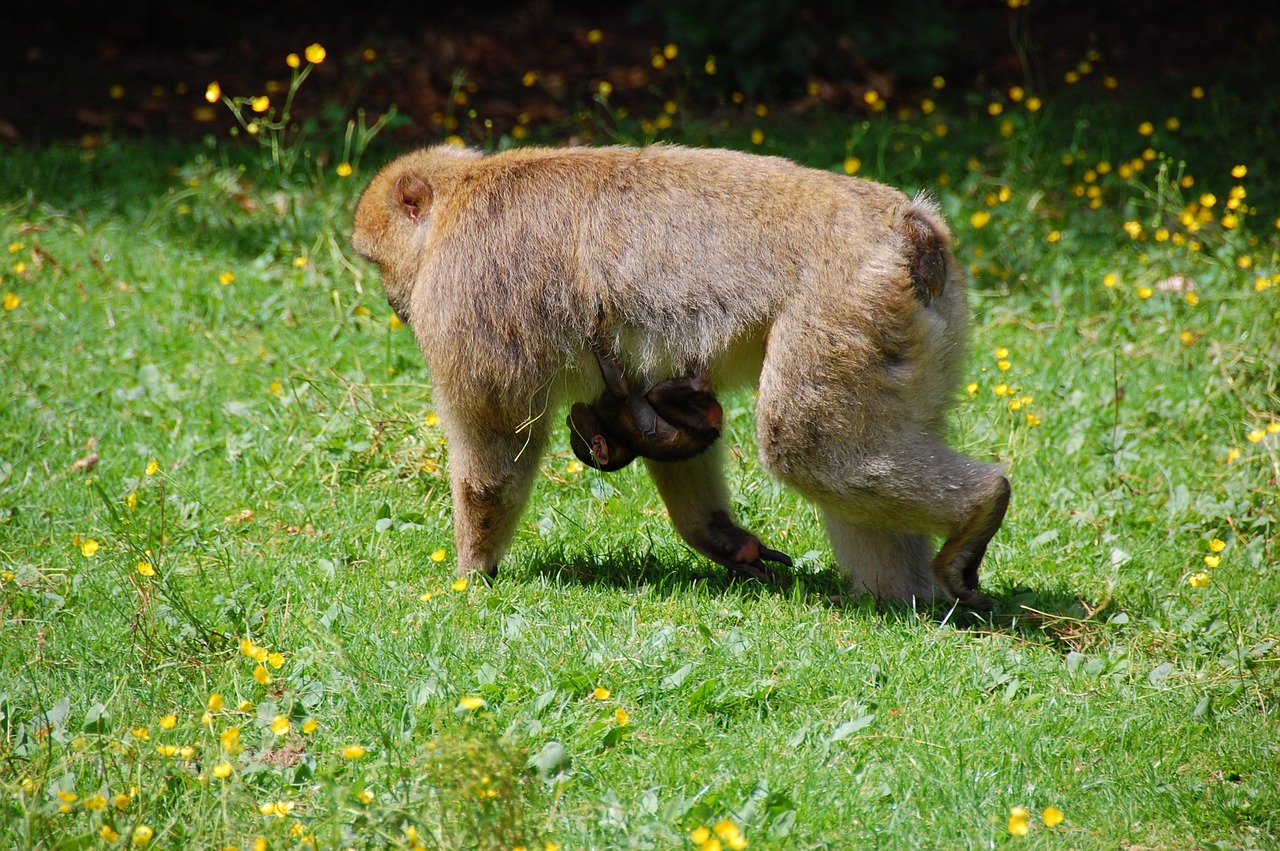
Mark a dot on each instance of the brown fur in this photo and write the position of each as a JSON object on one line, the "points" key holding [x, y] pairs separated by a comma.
{"points": [[836, 296], [673, 420]]}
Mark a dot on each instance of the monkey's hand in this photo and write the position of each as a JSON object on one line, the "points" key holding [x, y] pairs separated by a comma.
{"points": [[739, 550]]}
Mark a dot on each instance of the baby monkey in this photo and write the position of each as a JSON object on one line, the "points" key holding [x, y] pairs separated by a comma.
{"points": [[673, 420]]}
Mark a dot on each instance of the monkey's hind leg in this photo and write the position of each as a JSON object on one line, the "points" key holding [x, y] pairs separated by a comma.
{"points": [[903, 494], [882, 562], [956, 565], [883, 490]]}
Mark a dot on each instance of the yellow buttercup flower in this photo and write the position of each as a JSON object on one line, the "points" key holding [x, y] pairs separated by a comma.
{"points": [[438, 556], [146, 568], [280, 725], [280, 809], [293, 60], [980, 219], [89, 547], [1052, 816], [153, 467], [222, 770], [261, 676], [343, 169], [230, 740], [353, 752], [1018, 821], [107, 834], [215, 702], [315, 54], [212, 93], [1213, 561], [459, 585], [167, 722], [601, 693], [1198, 580], [11, 301], [1217, 545], [471, 704]]}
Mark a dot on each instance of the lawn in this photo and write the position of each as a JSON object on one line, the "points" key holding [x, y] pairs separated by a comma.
{"points": [[228, 611]]}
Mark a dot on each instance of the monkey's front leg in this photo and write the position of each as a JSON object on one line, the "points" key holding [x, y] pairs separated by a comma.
{"points": [[698, 501], [491, 473]]}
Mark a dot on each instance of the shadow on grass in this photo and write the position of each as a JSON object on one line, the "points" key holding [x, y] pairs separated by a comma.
{"points": [[1055, 616]]}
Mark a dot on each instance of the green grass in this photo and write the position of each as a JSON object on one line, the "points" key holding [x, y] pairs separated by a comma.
{"points": [[299, 495]]}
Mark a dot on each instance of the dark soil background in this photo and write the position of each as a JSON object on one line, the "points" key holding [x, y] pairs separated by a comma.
{"points": [[78, 72]]}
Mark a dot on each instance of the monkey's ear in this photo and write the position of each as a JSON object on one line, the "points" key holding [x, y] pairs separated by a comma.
{"points": [[413, 195]]}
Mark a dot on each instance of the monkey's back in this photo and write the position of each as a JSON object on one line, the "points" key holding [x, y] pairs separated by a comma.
{"points": [[663, 243]]}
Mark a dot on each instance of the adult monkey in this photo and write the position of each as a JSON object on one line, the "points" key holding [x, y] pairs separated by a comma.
{"points": [[837, 296]]}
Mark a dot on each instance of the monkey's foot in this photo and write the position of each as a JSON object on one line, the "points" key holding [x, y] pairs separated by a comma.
{"points": [[740, 551], [977, 602], [757, 571]]}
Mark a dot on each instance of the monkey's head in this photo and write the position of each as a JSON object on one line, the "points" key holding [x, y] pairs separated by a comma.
{"points": [[393, 216]]}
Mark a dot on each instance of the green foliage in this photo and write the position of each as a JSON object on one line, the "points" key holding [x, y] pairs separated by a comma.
{"points": [[227, 606], [766, 49]]}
